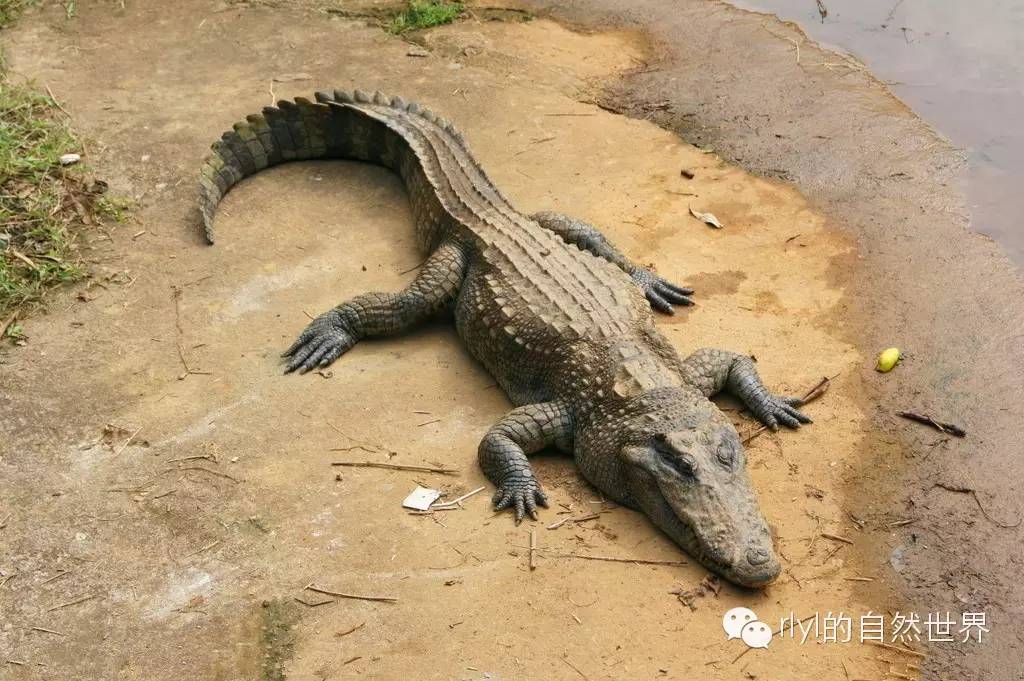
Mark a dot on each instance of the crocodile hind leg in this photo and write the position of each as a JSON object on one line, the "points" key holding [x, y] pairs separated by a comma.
{"points": [[661, 293], [380, 314], [503, 452], [711, 371]]}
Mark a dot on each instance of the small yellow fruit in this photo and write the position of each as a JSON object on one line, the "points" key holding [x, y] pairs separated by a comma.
{"points": [[888, 359]]}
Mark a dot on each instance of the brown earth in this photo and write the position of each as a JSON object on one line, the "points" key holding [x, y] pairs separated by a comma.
{"points": [[195, 572]]}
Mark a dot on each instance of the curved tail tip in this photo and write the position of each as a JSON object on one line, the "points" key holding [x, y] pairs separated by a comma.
{"points": [[206, 222]]}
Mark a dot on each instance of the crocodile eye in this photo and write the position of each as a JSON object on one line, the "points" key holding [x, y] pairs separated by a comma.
{"points": [[682, 464], [726, 456]]}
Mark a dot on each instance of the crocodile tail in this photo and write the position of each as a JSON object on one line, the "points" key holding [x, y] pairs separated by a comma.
{"points": [[292, 131]]}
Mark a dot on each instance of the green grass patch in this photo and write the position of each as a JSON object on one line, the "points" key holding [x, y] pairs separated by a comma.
{"points": [[424, 14], [11, 10], [42, 204]]}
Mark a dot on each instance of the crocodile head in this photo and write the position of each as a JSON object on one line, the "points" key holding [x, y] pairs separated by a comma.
{"points": [[689, 476]]}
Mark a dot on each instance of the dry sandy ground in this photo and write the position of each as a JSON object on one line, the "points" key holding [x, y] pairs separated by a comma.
{"points": [[194, 524]]}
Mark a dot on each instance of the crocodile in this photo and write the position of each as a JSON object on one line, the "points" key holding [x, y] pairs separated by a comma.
{"points": [[558, 315]]}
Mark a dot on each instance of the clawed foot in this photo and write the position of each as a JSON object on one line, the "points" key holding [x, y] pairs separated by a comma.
{"points": [[521, 493], [661, 293], [775, 410], [325, 339]]}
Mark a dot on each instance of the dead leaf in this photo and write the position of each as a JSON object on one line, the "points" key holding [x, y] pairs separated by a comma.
{"points": [[706, 218]]}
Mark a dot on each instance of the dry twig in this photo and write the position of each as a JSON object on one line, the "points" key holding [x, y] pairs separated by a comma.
{"points": [[126, 443], [204, 470], [636, 561], [948, 428], [83, 599], [48, 631], [836, 537], [338, 594], [205, 548], [456, 503], [349, 631], [974, 493], [7, 323], [395, 466]]}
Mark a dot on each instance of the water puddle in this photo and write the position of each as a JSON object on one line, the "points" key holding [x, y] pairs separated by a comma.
{"points": [[958, 65]]}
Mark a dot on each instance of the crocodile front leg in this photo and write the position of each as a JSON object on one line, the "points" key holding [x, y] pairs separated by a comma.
{"points": [[661, 293], [378, 314], [503, 452], [710, 371]]}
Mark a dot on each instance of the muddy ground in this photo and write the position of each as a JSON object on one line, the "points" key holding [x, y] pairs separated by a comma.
{"points": [[155, 462]]}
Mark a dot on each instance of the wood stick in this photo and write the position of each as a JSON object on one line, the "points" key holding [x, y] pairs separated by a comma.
{"points": [[338, 594], [396, 466], [563, 521], [900, 649], [533, 549], [56, 102], [948, 428], [349, 631], [974, 493], [7, 323], [574, 667], [204, 470], [56, 576], [581, 519], [24, 258], [456, 502], [205, 548], [126, 443], [194, 457], [639, 561], [48, 631], [83, 599], [836, 537], [308, 604]]}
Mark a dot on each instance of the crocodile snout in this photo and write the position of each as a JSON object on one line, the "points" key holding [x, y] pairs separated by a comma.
{"points": [[756, 567], [758, 556]]}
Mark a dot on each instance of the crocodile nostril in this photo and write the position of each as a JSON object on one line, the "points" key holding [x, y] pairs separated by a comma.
{"points": [[757, 556]]}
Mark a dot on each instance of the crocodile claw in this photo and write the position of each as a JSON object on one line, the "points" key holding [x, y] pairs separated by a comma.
{"points": [[774, 410], [325, 339], [521, 494], [661, 293]]}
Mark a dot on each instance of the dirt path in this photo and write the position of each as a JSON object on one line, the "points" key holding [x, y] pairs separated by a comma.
{"points": [[194, 524]]}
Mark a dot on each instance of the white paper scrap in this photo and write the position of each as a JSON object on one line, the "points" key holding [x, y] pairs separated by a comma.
{"points": [[421, 498]]}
